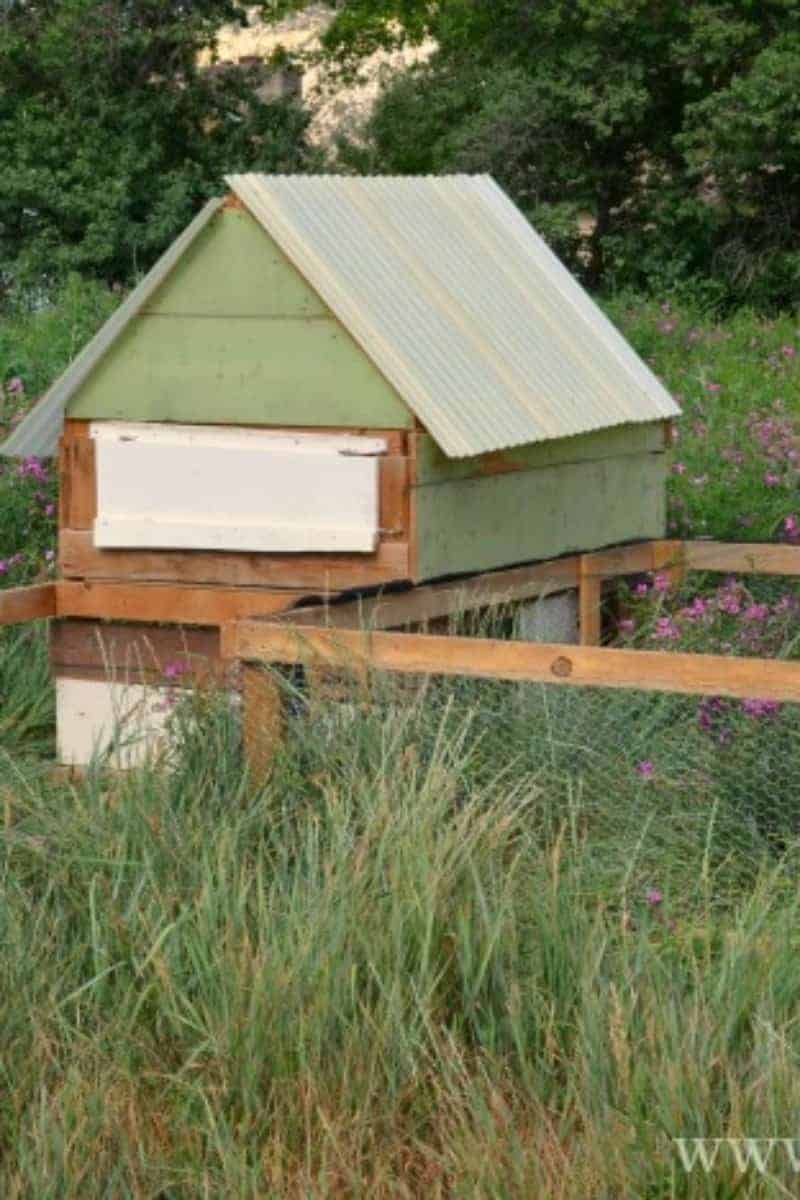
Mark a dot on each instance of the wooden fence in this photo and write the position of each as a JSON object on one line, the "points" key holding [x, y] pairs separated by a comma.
{"points": [[362, 634]]}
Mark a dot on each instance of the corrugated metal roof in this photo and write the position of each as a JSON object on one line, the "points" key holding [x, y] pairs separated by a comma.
{"points": [[38, 434], [460, 304]]}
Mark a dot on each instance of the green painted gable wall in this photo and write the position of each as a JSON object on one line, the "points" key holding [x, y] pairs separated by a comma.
{"points": [[235, 335]]}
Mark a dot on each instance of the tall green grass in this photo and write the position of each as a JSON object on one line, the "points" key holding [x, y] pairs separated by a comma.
{"points": [[459, 945], [413, 963]]}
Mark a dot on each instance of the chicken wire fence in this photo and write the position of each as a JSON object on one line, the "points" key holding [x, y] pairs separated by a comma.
{"points": [[722, 776]]}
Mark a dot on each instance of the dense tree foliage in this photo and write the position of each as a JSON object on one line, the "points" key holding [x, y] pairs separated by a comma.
{"points": [[111, 136], [670, 128]]}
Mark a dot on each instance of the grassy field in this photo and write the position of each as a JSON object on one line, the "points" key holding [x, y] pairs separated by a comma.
{"points": [[471, 940]]}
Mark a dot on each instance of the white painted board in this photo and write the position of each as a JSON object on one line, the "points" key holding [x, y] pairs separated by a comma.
{"points": [[186, 487], [90, 714]]}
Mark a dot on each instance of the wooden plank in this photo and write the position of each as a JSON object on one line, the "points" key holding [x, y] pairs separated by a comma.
{"points": [[622, 560], [88, 646], [575, 666], [78, 495], [431, 602], [742, 558], [434, 467], [91, 643], [394, 492], [315, 573], [479, 524], [590, 599], [255, 370], [395, 438], [263, 723], [34, 603], [175, 604]]}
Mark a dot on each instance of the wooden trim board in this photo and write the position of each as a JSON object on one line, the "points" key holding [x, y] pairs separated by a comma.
{"points": [[575, 666], [430, 602], [170, 604], [315, 573], [85, 649], [34, 603]]}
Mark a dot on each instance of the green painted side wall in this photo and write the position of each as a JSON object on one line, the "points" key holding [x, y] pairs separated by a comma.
{"points": [[498, 520], [236, 336], [435, 467]]}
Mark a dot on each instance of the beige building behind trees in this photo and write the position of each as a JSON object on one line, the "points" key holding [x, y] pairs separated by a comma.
{"points": [[291, 47]]}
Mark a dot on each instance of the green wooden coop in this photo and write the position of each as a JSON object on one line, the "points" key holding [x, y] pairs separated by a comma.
{"points": [[332, 384]]}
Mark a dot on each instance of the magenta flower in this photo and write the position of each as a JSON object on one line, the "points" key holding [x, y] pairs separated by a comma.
{"points": [[34, 468], [49, 509], [788, 352], [661, 583], [679, 468], [646, 769], [654, 897], [666, 629], [756, 612], [15, 386], [641, 589], [791, 528], [714, 388], [174, 670], [627, 626], [3, 566], [667, 327], [761, 708], [772, 480], [698, 608]]}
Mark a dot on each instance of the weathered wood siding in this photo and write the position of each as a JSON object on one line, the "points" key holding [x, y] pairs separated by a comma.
{"points": [[236, 336], [511, 510]]}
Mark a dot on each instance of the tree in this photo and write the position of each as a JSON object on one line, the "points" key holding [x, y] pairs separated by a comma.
{"points": [[111, 136], [642, 118]]}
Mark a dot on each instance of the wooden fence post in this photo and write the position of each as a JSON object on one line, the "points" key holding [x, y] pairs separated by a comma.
{"points": [[590, 598], [262, 720]]}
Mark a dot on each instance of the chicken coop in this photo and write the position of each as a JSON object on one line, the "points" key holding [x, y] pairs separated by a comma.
{"points": [[329, 385]]}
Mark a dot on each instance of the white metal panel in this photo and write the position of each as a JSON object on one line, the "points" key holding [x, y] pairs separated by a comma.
{"points": [[92, 714], [208, 488], [461, 305]]}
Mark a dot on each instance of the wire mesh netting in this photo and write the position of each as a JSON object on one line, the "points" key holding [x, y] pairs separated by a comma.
{"points": [[674, 777]]}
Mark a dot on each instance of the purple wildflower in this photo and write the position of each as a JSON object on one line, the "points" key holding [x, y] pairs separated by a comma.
{"points": [[714, 388], [15, 386], [646, 769], [761, 708], [679, 468], [174, 670], [756, 612], [771, 479], [654, 897], [666, 629]]}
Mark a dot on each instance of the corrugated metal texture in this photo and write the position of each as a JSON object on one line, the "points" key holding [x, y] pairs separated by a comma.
{"points": [[38, 434], [461, 305]]}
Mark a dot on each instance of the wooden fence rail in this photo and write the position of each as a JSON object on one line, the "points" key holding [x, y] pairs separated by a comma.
{"points": [[487, 658]]}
